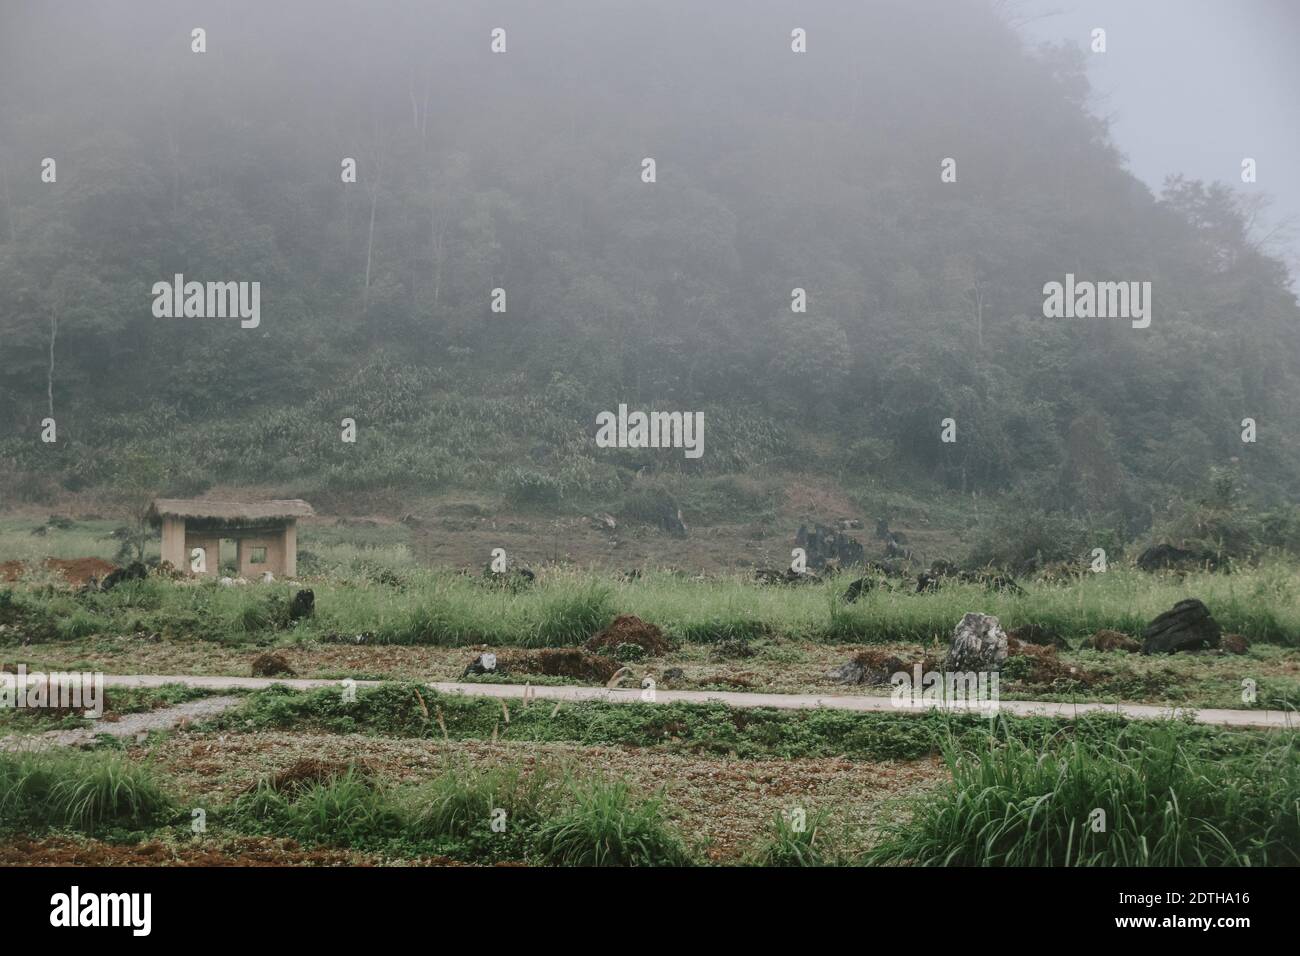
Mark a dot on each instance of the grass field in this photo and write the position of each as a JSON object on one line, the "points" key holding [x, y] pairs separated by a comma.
{"points": [[405, 776]]}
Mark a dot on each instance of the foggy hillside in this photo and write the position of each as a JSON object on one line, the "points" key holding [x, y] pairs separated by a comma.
{"points": [[523, 172]]}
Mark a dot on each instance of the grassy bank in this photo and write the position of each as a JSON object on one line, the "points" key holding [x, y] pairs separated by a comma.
{"points": [[567, 606]]}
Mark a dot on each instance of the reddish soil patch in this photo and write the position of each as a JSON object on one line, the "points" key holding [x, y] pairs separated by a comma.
{"points": [[630, 629], [561, 662], [76, 570]]}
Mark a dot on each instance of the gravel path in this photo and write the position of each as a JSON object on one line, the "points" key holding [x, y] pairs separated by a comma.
{"points": [[128, 726], [1226, 718]]}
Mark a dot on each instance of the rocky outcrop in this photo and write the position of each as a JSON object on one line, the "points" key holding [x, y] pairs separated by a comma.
{"points": [[978, 644], [1187, 626]]}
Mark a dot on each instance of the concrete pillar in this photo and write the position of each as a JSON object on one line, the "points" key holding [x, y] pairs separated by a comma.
{"points": [[289, 545], [173, 543]]}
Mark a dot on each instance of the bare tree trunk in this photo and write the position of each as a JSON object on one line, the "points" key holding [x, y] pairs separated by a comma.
{"points": [[370, 246]]}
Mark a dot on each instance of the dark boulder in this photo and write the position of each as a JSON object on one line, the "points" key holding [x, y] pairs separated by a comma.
{"points": [[1163, 556], [1187, 626], [135, 571], [302, 605], [925, 581], [823, 544], [858, 588]]}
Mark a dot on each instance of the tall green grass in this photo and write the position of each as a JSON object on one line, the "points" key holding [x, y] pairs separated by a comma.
{"points": [[607, 826], [543, 813], [566, 606], [1165, 803], [795, 843], [85, 792]]}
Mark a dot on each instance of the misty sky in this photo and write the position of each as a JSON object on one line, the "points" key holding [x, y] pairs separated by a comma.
{"points": [[1192, 86]]}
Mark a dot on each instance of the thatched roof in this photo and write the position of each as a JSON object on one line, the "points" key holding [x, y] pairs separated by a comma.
{"points": [[199, 509]]}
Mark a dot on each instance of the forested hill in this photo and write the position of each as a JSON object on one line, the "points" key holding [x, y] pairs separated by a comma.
{"points": [[523, 171]]}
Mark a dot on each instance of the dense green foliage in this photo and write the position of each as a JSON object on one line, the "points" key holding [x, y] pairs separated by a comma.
{"points": [[87, 792], [522, 171], [1009, 803]]}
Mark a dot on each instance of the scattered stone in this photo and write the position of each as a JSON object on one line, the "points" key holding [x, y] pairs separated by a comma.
{"points": [[978, 644], [858, 588], [925, 581], [823, 544], [850, 672], [873, 667], [272, 665], [135, 571], [1187, 626], [302, 605], [1107, 640], [788, 576], [483, 664], [1162, 556]]}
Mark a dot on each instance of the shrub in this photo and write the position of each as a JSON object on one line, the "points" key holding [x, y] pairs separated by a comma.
{"points": [[607, 826], [85, 792]]}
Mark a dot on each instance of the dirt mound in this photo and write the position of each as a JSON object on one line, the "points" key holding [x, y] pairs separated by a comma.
{"points": [[273, 665], [310, 772], [629, 629], [1107, 640], [1039, 665], [560, 662], [77, 571], [1039, 634]]}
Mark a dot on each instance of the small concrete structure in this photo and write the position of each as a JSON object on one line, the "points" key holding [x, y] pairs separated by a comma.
{"points": [[265, 533]]}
